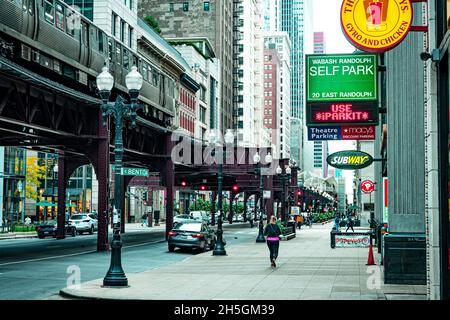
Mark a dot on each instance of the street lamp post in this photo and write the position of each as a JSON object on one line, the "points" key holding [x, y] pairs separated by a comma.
{"points": [[257, 161], [284, 176], [120, 110], [219, 248]]}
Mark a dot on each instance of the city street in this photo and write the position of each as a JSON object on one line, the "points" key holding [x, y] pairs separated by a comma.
{"points": [[307, 269], [38, 268]]}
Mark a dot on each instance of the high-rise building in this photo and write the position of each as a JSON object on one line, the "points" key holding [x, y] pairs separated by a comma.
{"points": [[278, 44], [210, 19], [293, 20], [320, 147], [248, 75]]}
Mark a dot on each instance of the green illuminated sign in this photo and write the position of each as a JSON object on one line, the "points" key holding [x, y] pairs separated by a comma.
{"points": [[350, 160], [346, 77], [134, 172]]}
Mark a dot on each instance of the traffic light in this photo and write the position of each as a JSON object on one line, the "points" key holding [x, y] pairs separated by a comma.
{"points": [[145, 196], [299, 193], [235, 188], [183, 183], [203, 187]]}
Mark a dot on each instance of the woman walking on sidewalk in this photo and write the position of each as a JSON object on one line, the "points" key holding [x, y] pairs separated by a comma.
{"points": [[272, 231]]}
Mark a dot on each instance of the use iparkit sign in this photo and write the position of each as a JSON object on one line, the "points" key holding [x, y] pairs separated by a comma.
{"points": [[344, 77]]}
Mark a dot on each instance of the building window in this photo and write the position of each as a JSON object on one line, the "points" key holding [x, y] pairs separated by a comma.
{"points": [[185, 6], [122, 31], [171, 9], [60, 16], [49, 11], [206, 6], [113, 24], [130, 36]]}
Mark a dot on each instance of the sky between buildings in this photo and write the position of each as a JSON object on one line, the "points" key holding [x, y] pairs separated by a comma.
{"points": [[327, 19]]}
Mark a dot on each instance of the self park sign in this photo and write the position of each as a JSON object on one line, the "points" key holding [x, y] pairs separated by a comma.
{"points": [[344, 77], [376, 26], [350, 160]]}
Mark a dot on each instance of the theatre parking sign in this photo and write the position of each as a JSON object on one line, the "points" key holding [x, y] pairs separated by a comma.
{"points": [[345, 77]]}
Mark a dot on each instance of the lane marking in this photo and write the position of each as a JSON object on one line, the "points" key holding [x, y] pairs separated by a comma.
{"points": [[73, 254], [46, 258]]}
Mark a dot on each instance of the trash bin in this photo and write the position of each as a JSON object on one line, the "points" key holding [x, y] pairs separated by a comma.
{"points": [[156, 215]]}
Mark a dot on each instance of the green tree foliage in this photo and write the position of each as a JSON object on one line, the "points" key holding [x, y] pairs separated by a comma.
{"points": [[35, 173], [151, 21]]}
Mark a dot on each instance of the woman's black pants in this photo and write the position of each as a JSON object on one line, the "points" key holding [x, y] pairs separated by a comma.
{"points": [[273, 248]]}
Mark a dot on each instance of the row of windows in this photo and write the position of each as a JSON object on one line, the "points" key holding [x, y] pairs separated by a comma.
{"points": [[267, 67], [267, 102], [267, 121], [268, 111], [268, 75], [267, 84], [120, 32], [187, 99], [187, 122], [185, 6]]}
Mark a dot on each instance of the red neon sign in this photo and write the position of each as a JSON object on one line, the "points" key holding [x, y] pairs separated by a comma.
{"points": [[342, 113]]}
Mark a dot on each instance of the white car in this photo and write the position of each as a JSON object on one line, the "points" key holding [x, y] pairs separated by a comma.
{"points": [[84, 222]]}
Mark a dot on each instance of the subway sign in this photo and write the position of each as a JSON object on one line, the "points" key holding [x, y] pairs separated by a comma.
{"points": [[345, 77], [343, 113], [350, 160]]}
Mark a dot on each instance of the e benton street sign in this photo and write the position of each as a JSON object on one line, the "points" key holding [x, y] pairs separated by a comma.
{"points": [[134, 172]]}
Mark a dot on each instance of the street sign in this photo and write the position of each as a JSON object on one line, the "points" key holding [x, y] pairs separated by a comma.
{"points": [[267, 194], [134, 172], [350, 160], [341, 133], [345, 77], [338, 113], [376, 26], [367, 186]]}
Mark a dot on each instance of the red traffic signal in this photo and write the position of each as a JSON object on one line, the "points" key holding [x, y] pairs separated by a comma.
{"points": [[299, 193], [235, 188], [183, 183], [202, 187]]}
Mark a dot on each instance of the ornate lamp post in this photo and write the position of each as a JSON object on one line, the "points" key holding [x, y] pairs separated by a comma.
{"points": [[284, 176], [258, 170], [120, 110], [219, 248]]}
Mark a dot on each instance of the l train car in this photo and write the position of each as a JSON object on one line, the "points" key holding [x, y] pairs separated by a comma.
{"points": [[51, 38]]}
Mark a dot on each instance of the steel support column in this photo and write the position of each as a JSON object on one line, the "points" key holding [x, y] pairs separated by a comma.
{"points": [[169, 183], [62, 178]]}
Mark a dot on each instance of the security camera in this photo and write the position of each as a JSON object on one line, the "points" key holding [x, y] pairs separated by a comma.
{"points": [[424, 56]]}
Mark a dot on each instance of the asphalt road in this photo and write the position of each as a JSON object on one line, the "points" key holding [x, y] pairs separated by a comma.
{"points": [[38, 268]]}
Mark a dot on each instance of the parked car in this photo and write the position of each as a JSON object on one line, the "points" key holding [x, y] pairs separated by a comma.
{"points": [[49, 227], [84, 222], [181, 218], [201, 215], [238, 218], [194, 234]]}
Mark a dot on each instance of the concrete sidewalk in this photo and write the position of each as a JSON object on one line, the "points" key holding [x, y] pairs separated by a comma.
{"points": [[307, 268]]}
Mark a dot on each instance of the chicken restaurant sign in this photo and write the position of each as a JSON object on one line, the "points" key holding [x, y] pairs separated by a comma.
{"points": [[350, 160], [376, 26]]}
